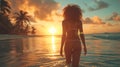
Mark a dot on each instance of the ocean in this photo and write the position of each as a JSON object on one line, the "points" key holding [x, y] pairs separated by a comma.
{"points": [[43, 51]]}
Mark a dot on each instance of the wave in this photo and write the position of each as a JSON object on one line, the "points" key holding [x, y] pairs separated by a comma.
{"points": [[108, 36], [113, 36]]}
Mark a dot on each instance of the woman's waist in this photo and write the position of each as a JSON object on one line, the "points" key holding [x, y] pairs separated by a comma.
{"points": [[73, 41], [73, 37]]}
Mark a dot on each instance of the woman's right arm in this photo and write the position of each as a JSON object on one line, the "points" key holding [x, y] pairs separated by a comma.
{"points": [[83, 38], [63, 38]]}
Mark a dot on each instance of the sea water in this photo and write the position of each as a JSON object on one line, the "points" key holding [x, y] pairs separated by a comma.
{"points": [[43, 51]]}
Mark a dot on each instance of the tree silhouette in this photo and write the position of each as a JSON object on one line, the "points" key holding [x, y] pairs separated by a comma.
{"points": [[33, 30], [4, 7], [5, 24], [22, 22]]}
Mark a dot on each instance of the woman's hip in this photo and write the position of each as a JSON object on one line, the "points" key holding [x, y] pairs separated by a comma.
{"points": [[73, 44]]}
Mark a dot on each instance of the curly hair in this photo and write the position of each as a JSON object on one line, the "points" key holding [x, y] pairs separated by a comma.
{"points": [[72, 12]]}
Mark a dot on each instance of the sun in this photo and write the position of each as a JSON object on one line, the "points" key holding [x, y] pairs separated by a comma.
{"points": [[52, 30]]}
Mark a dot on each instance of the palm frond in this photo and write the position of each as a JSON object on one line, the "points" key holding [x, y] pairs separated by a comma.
{"points": [[5, 6]]}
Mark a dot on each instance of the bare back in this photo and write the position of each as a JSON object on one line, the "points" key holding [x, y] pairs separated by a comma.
{"points": [[71, 29]]}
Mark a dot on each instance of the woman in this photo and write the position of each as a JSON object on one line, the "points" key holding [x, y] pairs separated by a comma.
{"points": [[70, 39]]}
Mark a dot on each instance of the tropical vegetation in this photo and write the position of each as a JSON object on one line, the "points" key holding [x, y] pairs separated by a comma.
{"points": [[21, 24]]}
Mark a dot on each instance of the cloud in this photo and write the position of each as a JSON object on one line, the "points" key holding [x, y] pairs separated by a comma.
{"points": [[97, 20], [40, 9], [100, 5], [109, 24], [114, 17], [87, 20], [93, 20]]}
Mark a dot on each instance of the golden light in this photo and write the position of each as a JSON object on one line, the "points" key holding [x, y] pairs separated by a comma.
{"points": [[53, 44], [52, 31], [30, 9]]}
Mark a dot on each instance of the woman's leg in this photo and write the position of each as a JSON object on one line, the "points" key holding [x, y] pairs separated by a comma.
{"points": [[76, 55], [68, 52]]}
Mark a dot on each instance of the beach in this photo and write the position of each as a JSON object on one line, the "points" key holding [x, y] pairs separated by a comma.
{"points": [[43, 51]]}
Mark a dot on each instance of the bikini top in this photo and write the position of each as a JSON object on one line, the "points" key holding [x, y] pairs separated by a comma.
{"points": [[72, 28]]}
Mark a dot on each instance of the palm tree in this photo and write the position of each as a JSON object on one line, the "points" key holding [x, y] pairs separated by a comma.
{"points": [[5, 24], [4, 7], [22, 21], [33, 30]]}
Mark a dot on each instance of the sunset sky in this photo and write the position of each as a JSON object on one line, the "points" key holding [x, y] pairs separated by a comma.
{"points": [[99, 16]]}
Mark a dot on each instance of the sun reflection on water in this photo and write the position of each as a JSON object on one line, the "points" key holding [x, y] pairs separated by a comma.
{"points": [[53, 44], [53, 48]]}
